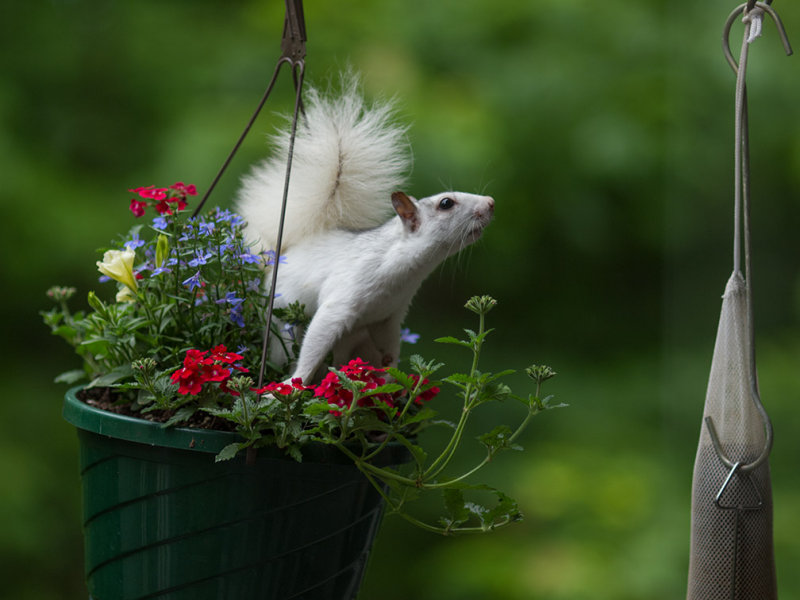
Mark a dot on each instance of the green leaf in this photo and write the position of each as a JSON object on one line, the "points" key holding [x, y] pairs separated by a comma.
{"points": [[498, 438], [506, 510], [456, 508], [228, 452], [293, 450], [182, 414], [425, 414], [459, 379], [451, 340], [401, 377], [422, 367], [112, 377], [65, 331], [317, 408], [493, 376], [70, 377], [389, 388]]}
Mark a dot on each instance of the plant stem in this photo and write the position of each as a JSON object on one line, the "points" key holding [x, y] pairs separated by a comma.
{"points": [[447, 454], [522, 426]]}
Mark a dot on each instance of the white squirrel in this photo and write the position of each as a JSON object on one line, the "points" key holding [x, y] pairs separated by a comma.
{"points": [[355, 271]]}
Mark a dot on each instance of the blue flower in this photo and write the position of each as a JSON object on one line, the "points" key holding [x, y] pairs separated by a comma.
{"points": [[194, 281], [207, 227], [236, 315], [407, 336], [249, 257], [288, 329], [160, 223], [230, 298], [159, 271], [200, 258], [134, 242], [269, 258], [226, 216]]}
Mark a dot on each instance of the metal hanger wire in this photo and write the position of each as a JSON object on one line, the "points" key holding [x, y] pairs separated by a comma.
{"points": [[293, 47]]}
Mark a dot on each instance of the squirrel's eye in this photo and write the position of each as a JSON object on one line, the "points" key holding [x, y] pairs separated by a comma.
{"points": [[446, 203]]}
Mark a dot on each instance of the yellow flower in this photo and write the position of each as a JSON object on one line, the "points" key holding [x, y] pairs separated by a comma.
{"points": [[118, 264], [126, 295]]}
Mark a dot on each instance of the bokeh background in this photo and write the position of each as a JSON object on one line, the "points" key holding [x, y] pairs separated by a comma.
{"points": [[604, 131]]}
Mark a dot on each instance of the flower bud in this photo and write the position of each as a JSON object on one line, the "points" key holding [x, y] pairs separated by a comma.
{"points": [[480, 304], [96, 303], [540, 373], [60, 293], [162, 250]]}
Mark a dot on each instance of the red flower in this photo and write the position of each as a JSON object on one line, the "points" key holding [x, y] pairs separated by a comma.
{"points": [[138, 206], [220, 353], [427, 394], [162, 207], [184, 189], [201, 367], [150, 192], [162, 197], [332, 390], [283, 388]]}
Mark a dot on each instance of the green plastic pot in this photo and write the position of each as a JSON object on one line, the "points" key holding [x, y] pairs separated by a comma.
{"points": [[162, 520]]}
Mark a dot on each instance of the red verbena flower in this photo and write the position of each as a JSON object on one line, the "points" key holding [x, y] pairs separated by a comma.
{"points": [[200, 367], [336, 394], [427, 394], [220, 353]]}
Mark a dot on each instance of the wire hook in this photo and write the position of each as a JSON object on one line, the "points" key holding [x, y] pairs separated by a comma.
{"points": [[742, 180], [744, 9]]}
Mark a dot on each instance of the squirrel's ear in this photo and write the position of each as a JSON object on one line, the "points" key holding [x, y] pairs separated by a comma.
{"points": [[405, 207]]}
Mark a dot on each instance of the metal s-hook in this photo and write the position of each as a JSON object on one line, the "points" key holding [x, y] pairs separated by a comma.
{"points": [[745, 9]]}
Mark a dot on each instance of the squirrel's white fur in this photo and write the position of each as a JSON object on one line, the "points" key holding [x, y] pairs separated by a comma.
{"points": [[348, 157], [354, 271]]}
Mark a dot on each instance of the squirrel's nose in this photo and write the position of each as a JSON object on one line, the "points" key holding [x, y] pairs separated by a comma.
{"points": [[490, 203]]}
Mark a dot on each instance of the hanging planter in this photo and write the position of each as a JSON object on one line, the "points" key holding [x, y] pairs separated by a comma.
{"points": [[208, 486], [163, 519]]}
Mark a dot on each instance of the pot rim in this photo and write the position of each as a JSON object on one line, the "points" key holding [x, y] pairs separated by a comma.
{"points": [[132, 429]]}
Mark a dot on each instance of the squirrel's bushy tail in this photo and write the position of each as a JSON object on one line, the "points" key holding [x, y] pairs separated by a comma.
{"points": [[348, 159]]}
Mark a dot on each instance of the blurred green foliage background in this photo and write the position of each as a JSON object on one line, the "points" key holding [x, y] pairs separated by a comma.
{"points": [[603, 130]]}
